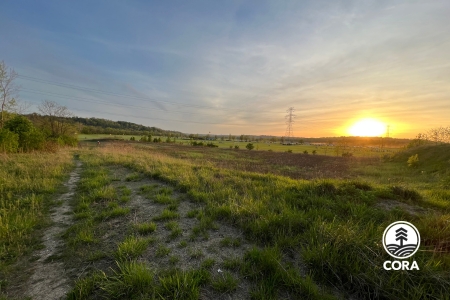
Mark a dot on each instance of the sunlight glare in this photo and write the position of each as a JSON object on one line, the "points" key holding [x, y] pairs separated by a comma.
{"points": [[367, 127]]}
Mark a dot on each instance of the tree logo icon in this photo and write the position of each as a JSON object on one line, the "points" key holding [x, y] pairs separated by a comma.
{"points": [[401, 240]]}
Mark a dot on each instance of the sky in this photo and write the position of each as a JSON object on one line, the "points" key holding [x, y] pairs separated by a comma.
{"points": [[235, 67]]}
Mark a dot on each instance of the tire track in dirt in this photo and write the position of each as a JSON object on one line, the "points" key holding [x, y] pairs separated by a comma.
{"points": [[49, 280]]}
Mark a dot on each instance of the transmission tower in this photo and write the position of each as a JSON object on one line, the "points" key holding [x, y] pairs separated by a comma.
{"points": [[289, 121]]}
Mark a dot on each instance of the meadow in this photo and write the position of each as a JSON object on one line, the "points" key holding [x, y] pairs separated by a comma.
{"points": [[170, 221], [375, 151]]}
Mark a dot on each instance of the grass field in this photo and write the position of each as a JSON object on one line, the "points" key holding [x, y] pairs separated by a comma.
{"points": [[263, 146], [27, 185], [170, 221]]}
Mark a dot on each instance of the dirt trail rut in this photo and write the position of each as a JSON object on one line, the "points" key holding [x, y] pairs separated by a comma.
{"points": [[49, 280]]}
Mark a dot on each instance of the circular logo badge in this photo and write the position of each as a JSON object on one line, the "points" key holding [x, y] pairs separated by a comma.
{"points": [[401, 239]]}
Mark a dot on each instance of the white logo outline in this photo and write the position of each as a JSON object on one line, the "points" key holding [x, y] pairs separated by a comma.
{"points": [[401, 234]]}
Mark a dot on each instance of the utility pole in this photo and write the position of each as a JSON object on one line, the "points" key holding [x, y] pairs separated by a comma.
{"points": [[289, 121]]}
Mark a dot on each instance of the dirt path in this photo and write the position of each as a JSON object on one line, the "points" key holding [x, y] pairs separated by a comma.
{"points": [[49, 280]]}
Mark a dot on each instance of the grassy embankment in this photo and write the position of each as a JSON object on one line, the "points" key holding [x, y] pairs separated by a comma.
{"points": [[310, 233], [27, 183]]}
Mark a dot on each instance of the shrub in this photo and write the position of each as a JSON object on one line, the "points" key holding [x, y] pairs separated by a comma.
{"points": [[212, 145], [66, 140], [132, 138], [249, 146], [413, 161], [347, 154], [290, 151], [314, 152], [143, 139], [9, 141], [236, 147], [32, 140], [305, 152], [29, 137]]}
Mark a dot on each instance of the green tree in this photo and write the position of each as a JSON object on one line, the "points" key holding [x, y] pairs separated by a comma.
{"points": [[250, 146], [55, 118]]}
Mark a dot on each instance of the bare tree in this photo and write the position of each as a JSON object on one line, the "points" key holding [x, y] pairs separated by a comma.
{"points": [[7, 90], [55, 117]]}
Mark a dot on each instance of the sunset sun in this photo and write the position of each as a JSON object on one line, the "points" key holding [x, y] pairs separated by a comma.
{"points": [[367, 127]]}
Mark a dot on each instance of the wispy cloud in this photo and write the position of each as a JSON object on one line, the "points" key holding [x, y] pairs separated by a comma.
{"points": [[241, 62]]}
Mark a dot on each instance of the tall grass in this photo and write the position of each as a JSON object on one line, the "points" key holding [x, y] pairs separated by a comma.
{"points": [[27, 182], [334, 225]]}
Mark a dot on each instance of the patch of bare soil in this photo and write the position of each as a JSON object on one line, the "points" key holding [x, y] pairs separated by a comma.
{"points": [[411, 209], [294, 165], [184, 251], [48, 280]]}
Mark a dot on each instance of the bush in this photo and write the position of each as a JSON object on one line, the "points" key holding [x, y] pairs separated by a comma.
{"points": [[347, 154], [143, 139], [9, 141], [413, 161], [289, 151], [305, 152], [210, 144], [32, 140], [20, 126], [314, 152], [65, 140], [249, 146], [132, 138], [236, 147]]}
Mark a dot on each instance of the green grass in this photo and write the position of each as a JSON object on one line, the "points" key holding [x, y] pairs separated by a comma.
{"points": [[130, 281], [27, 182], [230, 242], [225, 283], [182, 284], [166, 215], [163, 199], [232, 263], [134, 177], [131, 248], [145, 228], [195, 253], [333, 225], [162, 251]]}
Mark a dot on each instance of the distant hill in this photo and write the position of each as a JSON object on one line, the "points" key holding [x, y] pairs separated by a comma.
{"points": [[103, 126]]}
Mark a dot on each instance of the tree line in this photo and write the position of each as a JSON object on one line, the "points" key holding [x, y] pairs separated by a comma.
{"points": [[437, 135], [17, 132]]}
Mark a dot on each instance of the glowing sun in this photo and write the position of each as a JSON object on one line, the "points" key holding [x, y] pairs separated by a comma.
{"points": [[367, 127]]}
